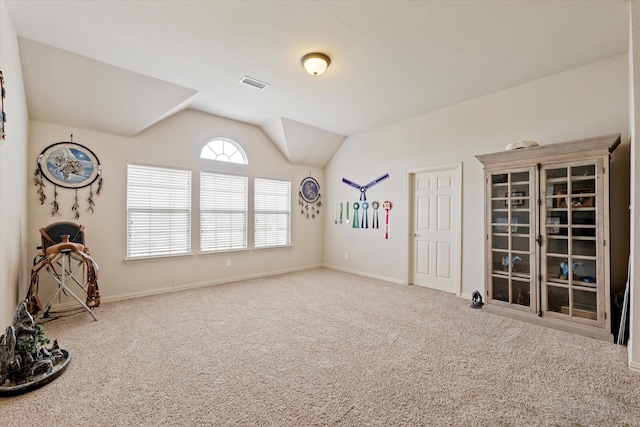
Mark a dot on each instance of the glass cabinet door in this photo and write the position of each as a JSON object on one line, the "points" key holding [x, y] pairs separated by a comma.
{"points": [[511, 238], [570, 252]]}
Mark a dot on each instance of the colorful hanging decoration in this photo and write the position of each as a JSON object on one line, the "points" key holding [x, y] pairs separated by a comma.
{"points": [[365, 206], [356, 206], [387, 205], [347, 220], [365, 216], [361, 215], [68, 165], [363, 188], [342, 209], [309, 198], [374, 221]]}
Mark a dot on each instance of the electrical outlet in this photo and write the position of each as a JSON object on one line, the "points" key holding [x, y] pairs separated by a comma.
{"points": [[346, 255], [228, 263]]}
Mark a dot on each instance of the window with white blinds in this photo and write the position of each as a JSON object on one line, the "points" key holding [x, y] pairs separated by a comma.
{"points": [[272, 212], [223, 212], [158, 211]]}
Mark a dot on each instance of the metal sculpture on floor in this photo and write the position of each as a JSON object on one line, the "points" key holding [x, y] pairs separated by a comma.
{"points": [[25, 364], [476, 300]]}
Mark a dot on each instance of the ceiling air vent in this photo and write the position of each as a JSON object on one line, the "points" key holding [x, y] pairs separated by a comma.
{"points": [[253, 82]]}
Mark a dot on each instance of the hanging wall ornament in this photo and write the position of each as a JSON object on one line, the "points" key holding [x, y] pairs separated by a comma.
{"points": [[375, 206], [387, 205], [68, 165], [309, 197], [347, 220], [365, 216], [363, 188], [356, 206]]}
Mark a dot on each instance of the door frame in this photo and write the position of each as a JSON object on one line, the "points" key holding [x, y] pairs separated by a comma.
{"points": [[456, 168]]}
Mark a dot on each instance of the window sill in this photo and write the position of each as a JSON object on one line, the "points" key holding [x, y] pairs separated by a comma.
{"points": [[223, 251], [273, 247], [156, 257]]}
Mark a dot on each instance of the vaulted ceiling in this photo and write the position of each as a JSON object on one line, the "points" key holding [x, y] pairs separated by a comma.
{"points": [[121, 66]]}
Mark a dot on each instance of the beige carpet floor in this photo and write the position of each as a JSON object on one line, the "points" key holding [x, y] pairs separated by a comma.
{"points": [[324, 348]]}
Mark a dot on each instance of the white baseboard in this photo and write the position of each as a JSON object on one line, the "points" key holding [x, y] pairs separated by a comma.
{"points": [[360, 273], [107, 299]]}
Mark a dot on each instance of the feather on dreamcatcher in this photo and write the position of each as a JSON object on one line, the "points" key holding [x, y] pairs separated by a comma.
{"points": [[3, 115], [68, 165]]}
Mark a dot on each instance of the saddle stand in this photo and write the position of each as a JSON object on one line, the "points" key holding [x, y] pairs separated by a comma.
{"points": [[64, 256]]}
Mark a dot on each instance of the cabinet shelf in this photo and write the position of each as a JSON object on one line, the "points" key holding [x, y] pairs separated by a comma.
{"points": [[564, 180], [585, 314], [584, 238], [514, 275], [583, 178], [576, 284], [577, 257]]}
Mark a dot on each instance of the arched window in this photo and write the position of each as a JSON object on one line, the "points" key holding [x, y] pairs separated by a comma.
{"points": [[224, 150]]}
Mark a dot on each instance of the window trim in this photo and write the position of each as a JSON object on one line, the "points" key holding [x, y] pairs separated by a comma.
{"points": [[226, 142]]}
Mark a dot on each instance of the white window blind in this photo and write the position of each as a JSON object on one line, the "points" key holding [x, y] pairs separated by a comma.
{"points": [[272, 211], [158, 211], [223, 212]]}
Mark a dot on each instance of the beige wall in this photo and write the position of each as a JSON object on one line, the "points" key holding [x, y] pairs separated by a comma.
{"points": [[176, 141], [634, 83], [580, 103], [14, 262]]}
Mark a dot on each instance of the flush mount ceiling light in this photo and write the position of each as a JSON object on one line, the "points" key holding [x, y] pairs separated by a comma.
{"points": [[315, 63]]}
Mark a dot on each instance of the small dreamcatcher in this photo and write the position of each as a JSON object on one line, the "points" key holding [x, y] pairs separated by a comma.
{"points": [[68, 165], [309, 197]]}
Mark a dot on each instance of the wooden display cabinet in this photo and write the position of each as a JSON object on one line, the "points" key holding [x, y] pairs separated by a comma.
{"points": [[547, 234]]}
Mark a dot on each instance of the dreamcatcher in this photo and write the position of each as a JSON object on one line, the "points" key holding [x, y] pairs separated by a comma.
{"points": [[68, 165], [309, 197]]}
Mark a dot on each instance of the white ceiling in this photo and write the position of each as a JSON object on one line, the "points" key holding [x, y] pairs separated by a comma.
{"points": [[120, 66]]}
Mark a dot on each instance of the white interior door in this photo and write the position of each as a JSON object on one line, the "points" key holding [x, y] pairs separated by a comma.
{"points": [[436, 226]]}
